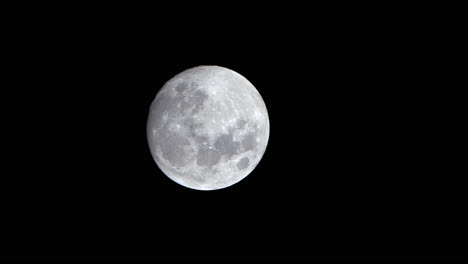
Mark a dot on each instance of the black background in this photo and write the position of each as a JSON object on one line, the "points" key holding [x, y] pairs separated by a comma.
{"points": [[356, 165]]}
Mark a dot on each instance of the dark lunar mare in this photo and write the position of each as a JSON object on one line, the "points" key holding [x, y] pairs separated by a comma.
{"points": [[226, 145], [243, 163]]}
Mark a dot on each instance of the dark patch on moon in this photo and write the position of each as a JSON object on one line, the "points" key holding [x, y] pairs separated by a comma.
{"points": [[226, 145], [181, 87], [207, 157], [241, 123], [249, 142], [186, 86], [193, 126], [243, 163], [193, 101], [197, 100], [187, 98], [172, 149]]}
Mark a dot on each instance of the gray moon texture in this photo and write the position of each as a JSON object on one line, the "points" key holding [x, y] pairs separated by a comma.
{"points": [[208, 128]]}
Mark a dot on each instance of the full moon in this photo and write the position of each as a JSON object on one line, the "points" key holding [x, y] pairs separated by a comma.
{"points": [[207, 128]]}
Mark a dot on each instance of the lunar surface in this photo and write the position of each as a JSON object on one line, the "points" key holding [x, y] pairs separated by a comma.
{"points": [[208, 128]]}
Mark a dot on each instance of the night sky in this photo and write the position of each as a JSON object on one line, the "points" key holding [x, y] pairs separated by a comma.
{"points": [[356, 166]]}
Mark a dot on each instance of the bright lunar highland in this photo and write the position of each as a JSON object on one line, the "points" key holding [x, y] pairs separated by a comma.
{"points": [[208, 128]]}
